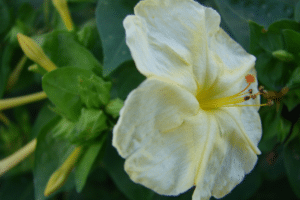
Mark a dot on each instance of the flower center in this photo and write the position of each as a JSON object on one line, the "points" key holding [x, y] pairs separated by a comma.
{"points": [[234, 100]]}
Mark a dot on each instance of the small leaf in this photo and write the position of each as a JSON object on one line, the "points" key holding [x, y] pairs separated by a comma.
{"points": [[292, 165], [64, 50], [50, 153], [62, 88], [85, 164]]}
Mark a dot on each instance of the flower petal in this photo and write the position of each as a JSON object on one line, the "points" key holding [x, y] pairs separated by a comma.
{"points": [[169, 163], [156, 106], [226, 67], [167, 37], [241, 155]]}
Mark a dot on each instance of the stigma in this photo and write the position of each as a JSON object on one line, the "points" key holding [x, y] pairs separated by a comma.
{"points": [[235, 100]]}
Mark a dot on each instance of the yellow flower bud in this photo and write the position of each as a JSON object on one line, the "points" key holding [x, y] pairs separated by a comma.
{"points": [[35, 52], [62, 8], [60, 176]]}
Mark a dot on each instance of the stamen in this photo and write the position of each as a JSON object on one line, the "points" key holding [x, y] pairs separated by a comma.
{"points": [[234, 100]]}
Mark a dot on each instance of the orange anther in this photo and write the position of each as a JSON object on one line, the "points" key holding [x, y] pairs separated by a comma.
{"points": [[250, 78]]}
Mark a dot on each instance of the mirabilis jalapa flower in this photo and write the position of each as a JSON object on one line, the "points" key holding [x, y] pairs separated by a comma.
{"points": [[194, 121]]}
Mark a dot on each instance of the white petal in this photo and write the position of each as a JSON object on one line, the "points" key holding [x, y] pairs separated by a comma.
{"points": [[241, 155], [155, 106], [169, 163], [167, 38], [227, 65]]}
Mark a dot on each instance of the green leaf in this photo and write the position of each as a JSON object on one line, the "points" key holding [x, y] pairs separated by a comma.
{"points": [[292, 165], [292, 40], [297, 12], [85, 164], [64, 50], [45, 115], [274, 127], [292, 99], [109, 18], [50, 154], [236, 14], [125, 79], [294, 81], [6, 55], [4, 17], [62, 88]]}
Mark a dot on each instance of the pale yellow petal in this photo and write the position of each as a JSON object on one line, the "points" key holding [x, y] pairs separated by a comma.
{"points": [[166, 39], [155, 106], [171, 162]]}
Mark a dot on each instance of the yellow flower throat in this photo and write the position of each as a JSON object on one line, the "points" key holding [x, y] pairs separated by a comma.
{"points": [[234, 100]]}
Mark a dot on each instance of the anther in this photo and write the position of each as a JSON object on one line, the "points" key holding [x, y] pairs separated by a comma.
{"points": [[246, 98], [250, 91]]}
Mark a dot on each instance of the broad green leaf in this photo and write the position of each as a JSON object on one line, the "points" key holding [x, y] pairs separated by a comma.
{"points": [[85, 164], [50, 154], [64, 50], [4, 17], [125, 79], [292, 165], [114, 164], [62, 88], [109, 18]]}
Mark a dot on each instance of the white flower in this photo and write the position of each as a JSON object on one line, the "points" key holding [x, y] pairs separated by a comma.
{"points": [[184, 126]]}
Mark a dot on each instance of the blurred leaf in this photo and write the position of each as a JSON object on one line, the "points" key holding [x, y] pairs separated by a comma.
{"points": [[274, 126], [292, 99], [297, 12], [4, 17], [114, 164], [294, 81], [6, 55], [64, 50], [272, 72], [94, 91], [125, 79], [85, 164], [22, 117], [292, 40], [62, 88], [292, 165], [18, 187], [91, 124], [109, 18], [236, 15], [50, 153], [44, 117]]}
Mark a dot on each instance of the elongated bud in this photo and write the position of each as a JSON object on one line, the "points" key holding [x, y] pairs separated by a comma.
{"points": [[283, 55], [62, 8], [35, 52], [11, 161], [60, 176]]}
